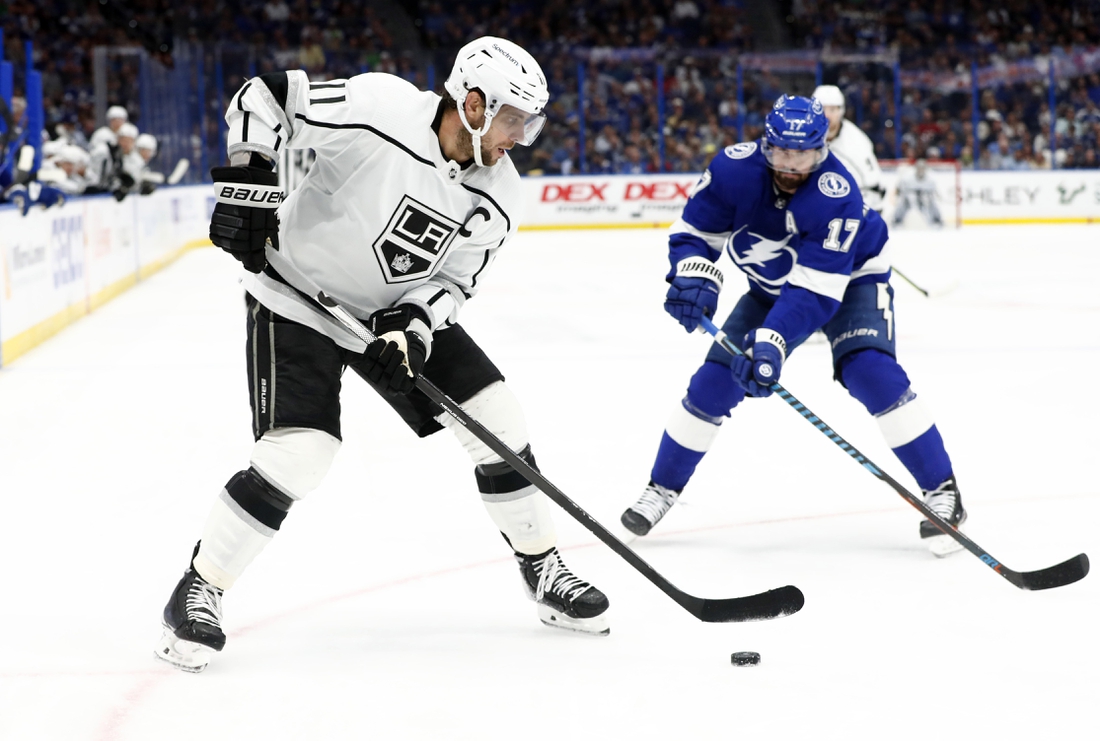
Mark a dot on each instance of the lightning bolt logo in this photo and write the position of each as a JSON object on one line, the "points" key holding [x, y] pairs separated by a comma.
{"points": [[887, 312], [760, 253]]}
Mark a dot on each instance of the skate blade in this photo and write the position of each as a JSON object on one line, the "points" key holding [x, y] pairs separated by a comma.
{"points": [[590, 626], [942, 546], [184, 655]]}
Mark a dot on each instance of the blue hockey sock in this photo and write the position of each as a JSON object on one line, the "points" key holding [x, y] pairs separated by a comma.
{"points": [[926, 459], [675, 464], [694, 425], [881, 385]]}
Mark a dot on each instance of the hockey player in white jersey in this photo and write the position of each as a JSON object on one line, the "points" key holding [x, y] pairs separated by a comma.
{"points": [[851, 146], [918, 191], [409, 200]]}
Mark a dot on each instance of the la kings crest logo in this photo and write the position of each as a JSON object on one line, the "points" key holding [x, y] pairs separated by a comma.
{"points": [[415, 239]]}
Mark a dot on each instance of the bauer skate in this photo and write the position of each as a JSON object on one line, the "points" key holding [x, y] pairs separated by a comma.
{"points": [[946, 502], [192, 623], [563, 600], [654, 504]]}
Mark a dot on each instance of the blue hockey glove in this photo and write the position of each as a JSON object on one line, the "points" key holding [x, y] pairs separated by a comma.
{"points": [[756, 370], [34, 193], [694, 291]]}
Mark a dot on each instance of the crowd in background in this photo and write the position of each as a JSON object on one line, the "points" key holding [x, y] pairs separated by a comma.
{"points": [[625, 125], [1015, 122]]}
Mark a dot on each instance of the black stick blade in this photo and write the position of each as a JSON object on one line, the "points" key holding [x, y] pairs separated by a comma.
{"points": [[1067, 572], [774, 603]]}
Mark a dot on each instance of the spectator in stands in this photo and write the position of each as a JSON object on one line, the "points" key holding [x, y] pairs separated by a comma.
{"points": [[632, 162], [311, 55], [337, 39]]}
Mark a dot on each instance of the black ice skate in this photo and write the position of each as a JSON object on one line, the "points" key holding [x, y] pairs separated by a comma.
{"points": [[946, 502], [564, 601], [192, 623], [654, 504]]}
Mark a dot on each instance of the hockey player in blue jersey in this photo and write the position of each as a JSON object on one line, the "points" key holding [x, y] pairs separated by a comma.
{"points": [[790, 216]]}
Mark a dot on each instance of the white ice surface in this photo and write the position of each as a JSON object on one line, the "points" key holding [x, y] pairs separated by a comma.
{"points": [[389, 608]]}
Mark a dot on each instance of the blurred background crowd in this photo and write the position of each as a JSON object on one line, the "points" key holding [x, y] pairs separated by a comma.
{"points": [[637, 85]]}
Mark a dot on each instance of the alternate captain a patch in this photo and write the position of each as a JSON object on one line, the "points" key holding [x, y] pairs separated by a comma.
{"points": [[415, 239]]}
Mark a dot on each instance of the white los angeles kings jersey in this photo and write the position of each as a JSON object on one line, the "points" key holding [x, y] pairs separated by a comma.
{"points": [[382, 217], [855, 150]]}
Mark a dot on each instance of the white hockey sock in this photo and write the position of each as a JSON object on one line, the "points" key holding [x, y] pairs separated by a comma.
{"points": [[231, 539], [691, 431], [525, 520], [905, 421]]}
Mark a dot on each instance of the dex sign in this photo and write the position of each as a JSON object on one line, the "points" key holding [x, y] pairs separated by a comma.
{"points": [[606, 200]]}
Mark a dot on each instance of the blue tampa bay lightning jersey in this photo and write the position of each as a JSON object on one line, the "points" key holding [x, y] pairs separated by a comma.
{"points": [[800, 252]]}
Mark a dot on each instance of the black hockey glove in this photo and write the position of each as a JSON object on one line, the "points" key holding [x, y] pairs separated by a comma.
{"points": [[244, 213], [395, 359]]}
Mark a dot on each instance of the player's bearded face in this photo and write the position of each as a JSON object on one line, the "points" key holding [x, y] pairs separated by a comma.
{"points": [[507, 128], [791, 167]]}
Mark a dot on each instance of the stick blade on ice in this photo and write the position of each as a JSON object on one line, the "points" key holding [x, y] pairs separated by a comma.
{"points": [[1067, 572]]}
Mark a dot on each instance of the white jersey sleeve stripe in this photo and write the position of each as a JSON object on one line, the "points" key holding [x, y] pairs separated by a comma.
{"points": [[714, 240], [877, 265], [830, 285], [254, 117]]}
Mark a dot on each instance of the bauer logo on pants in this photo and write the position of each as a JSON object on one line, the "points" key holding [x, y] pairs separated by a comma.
{"points": [[414, 241]]}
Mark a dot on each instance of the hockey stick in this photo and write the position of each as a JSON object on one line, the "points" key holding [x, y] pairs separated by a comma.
{"points": [[934, 293], [1059, 575], [908, 280], [179, 171], [764, 606]]}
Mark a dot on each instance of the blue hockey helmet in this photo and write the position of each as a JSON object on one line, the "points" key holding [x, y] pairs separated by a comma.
{"points": [[796, 124]]}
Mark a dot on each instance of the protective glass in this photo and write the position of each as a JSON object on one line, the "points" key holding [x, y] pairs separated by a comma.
{"points": [[521, 127]]}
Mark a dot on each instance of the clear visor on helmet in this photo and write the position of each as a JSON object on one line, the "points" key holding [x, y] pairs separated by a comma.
{"points": [[794, 161], [519, 126]]}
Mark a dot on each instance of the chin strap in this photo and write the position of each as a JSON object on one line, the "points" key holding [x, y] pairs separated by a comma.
{"points": [[474, 133], [477, 149]]}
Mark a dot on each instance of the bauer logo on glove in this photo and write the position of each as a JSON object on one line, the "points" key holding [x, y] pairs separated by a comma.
{"points": [[254, 195]]}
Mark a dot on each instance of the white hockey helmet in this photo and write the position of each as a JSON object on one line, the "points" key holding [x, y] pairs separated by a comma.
{"points": [[830, 95], [146, 141], [506, 75], [117, 111], [74, 154]]}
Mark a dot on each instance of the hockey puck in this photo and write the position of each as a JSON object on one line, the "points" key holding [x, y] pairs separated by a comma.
{"points": [[745, 658]]}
